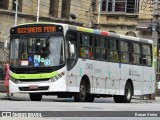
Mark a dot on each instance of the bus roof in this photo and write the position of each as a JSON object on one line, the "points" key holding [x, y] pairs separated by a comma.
{"points": [[105, 33], [95, 31]]}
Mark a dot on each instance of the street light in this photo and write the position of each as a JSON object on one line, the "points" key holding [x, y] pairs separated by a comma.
{"points": [[38, 7]]}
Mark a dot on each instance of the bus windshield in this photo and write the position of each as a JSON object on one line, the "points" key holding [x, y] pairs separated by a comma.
{"points": [[37, 51]]}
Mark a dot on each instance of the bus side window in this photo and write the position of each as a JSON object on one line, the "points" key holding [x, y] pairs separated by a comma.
{"points": [[82, 52], [124, 48], [113, 50], [136, 53], [146, 57], [71, 37], [101, 48], [85, 46]]}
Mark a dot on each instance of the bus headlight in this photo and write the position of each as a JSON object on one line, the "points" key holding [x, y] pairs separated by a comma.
{"points": [[14, 80], [55, 78]]}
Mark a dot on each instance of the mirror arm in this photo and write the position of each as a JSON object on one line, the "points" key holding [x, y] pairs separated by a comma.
{"points": [[69, 43]]}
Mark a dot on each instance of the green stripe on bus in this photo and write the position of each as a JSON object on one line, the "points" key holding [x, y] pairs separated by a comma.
{"points": [[109, 74], [151, 78], [153, 64], [80, 71], [34, 76]]}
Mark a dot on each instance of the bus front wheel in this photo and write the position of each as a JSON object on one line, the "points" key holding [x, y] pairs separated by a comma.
{"points": [[126, 98], [35, 97], [81, 95]]}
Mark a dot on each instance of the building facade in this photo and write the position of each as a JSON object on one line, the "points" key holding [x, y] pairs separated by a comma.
{"points": [[127, 17]]}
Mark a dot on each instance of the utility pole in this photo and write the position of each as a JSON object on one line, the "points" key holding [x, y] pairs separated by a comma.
{"points": [[38, 6], [155, 25], [16, 12]]}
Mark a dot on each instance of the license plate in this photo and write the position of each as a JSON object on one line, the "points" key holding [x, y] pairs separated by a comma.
{"points": [[33, 87]]}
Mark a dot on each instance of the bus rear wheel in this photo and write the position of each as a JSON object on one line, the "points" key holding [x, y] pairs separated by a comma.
{"points": [[35, 97], [126, 98], [81, 95]]}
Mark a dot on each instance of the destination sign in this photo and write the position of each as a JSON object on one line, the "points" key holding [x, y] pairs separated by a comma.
{"points": [[36, 29], [25, 30]]}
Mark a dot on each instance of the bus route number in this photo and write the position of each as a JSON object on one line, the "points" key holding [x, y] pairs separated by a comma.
{"points": [[89, 66]]}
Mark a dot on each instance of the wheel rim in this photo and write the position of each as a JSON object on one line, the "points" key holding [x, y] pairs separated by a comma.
{"points": [[128, 94], [82, 91]]}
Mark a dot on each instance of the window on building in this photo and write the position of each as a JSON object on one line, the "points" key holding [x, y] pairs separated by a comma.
{"points": [[120, 5], [103, 5], [4, 4], [19, 5], [109, 6], [131, 6], [130, 33], [53, 10], [65, 8], [126, 6]]}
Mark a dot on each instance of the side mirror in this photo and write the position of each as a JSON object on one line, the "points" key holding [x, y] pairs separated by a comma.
{"points": [[71, 48]]}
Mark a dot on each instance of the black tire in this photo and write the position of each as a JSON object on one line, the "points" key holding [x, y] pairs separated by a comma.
{"points": [[89, 98], [81, 96], [35, 97], [127, 97]]}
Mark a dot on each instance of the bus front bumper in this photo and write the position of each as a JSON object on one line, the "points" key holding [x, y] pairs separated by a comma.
{"points": [[38, 87]]}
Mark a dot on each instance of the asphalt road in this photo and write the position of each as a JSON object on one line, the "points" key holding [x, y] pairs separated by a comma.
{"points": [[98, 110]]}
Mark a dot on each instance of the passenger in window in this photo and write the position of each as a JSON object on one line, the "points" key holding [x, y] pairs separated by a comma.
{"points": [[90, 53], [45, 51], [122, 57], [144, 60], [140, 60], [82, 52], [105, 55], [115, 56], [36, 47], [132, 58]]}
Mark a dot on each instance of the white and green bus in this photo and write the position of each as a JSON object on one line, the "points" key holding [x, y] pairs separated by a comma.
{"points": [[71, 61]]}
